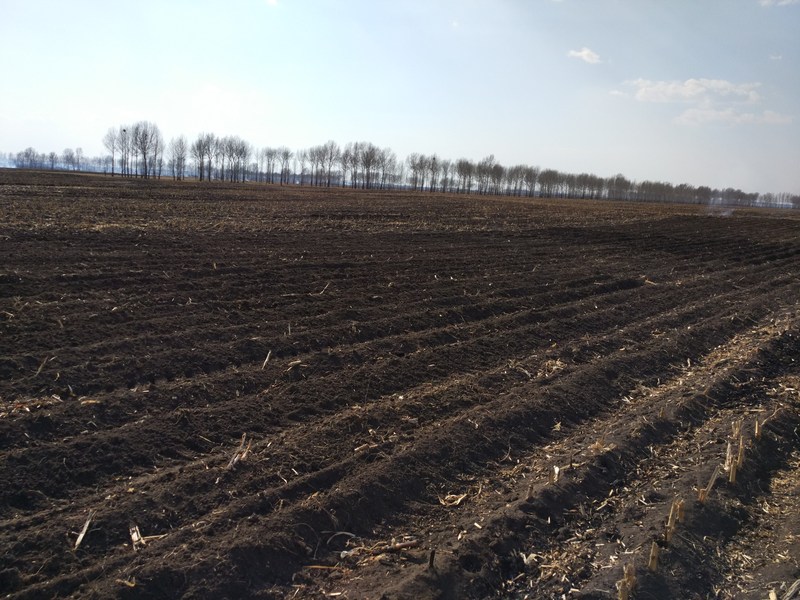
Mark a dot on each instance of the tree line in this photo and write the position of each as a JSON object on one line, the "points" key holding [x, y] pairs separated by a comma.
{"points": [[139, 150]]}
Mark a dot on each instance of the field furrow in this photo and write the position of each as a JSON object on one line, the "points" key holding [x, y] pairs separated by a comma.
{"points": [[309, 392]]}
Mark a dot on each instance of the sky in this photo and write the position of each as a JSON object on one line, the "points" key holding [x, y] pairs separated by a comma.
{"points": [[705, 92]]}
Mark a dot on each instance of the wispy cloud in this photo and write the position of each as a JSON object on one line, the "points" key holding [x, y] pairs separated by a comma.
{"points": [[272, 2], [709, 100], [586, 55], [698, 116], [776, 57], [700, 91], [777, 2]]}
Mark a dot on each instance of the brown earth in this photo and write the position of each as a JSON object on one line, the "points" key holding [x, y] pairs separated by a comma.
{"points": [[325, 393]]}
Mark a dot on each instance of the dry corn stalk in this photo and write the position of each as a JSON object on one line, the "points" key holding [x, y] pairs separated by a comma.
{"points": [[554, 474], [652, 564], [241, 452], [629, 574], [452, 499], [628, 581], [136, 536], [732, 474], [672, 520], [737, 428], [681, 510], [792, 592], [703, 494], [624, 590], [757, 434], [82, 534], [728, 458]]}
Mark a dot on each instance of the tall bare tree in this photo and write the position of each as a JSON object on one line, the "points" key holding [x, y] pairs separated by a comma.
{"points": [[446, 167], [110, 141], [387, 164], [548, 182], [330, 156], [272, 157], [465, 169], [124, 145], [198, 153], [285, 156], [147, 143], [434, 167], [345, 162], [68, 158], [530, 177], [369, 163], [178, 152], [302, 157]]}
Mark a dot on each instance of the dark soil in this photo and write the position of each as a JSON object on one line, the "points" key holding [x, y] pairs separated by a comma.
{"points": [[332, 393]]}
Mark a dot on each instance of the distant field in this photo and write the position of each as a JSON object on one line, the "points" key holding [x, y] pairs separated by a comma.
{"points": [[292, 392]]}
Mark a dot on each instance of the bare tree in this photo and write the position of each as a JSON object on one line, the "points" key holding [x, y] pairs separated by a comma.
{"points": [[218, 152], [353, 150], [433, 168], [497, 175], [147, 142], [124, 145], [158, 153], [111, 141], [418, 165], [198, 152], [387, 164], [483, 170], [530, 177], [272, 157], [178, 151], [28, 158], [209, 145], [68, 158], [330, 156], [548, 182], [285, 157], [345, 162], [78, 158], [53, 158], [302, 157], [446, 167], [369, 163], [619, 187], [465, 169], [514, 180], [243, 153]]}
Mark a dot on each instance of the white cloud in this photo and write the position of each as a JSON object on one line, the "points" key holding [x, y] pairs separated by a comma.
{"points": [[777, 2], [776, 57], [698, 116], [709, 100], [585, 54], [705, 92], [272, 2]]}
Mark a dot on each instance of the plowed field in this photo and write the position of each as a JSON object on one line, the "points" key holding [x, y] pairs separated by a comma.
{"points": [[239, 391]]}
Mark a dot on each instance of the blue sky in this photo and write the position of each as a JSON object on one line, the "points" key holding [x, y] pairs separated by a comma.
{"points": [[705, 92]]}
